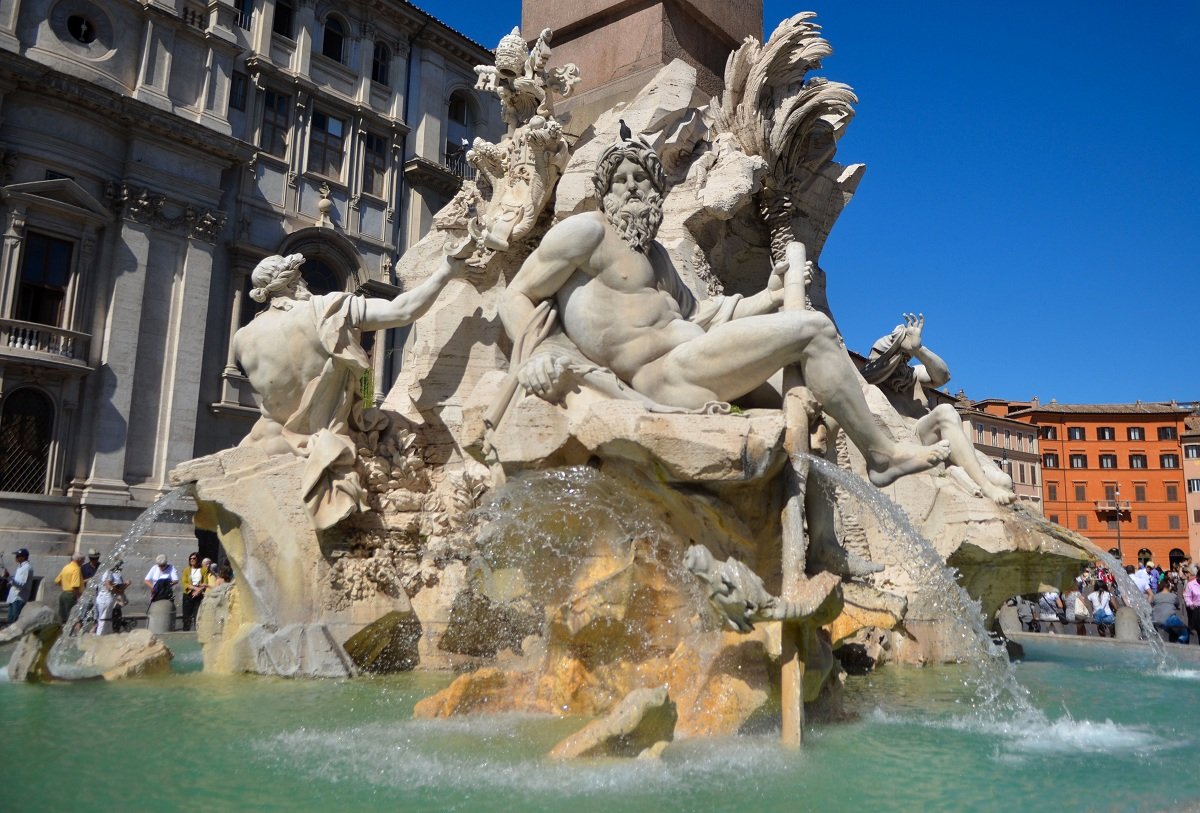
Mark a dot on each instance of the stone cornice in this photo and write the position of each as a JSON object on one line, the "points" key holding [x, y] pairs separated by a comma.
{"points": [[142, 205], [27, 75]]}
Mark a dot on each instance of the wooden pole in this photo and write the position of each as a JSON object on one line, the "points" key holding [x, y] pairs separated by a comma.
{"points": [[796, 442]]}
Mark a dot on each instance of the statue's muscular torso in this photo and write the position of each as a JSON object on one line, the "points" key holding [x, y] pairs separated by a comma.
{"points": [[617, 305]]}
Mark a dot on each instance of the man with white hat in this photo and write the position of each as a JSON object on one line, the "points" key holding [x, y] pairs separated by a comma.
{"points": [[92, 564], [162, 578]]}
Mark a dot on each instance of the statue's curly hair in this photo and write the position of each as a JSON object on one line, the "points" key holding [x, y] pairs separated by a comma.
{"points": [[274, 274], [637, 150]]}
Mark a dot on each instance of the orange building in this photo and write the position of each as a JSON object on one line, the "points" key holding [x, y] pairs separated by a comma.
{"points": [[1104, 461], [1191, 476]]}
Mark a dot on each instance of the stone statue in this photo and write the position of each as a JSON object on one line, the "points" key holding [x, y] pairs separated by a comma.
{"points": [[517, 175], [303, 357], [906, 386], [621, 302], [738, 593]]}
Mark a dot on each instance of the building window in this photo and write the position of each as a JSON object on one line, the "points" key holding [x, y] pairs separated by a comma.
{"points": [[1007, 438], [1080, 492], [1175, 557], [1193, 485], [1139, 493], [1112, 525], [239, 83], [1052, 492], [45, 273], [1081, 522], [1172, 490], [1135, 433], [1079, 461], [1110, 492], [1049, 461], [979, 434], [26, 421], [1167, 433], [276, 120], [1021, 472], [1137, 461], [381, 59], [283, 22], [1173, 522], [375, 148], [1168, 461], [1033, 474], [1143, 524], [1106, 433], [1196, 516], [1108, 461], [994, 435], [1192, 451], [1048, 432], [1054, 518], [1075, 433], [333, 39], [1144, 555], [325, 144]]}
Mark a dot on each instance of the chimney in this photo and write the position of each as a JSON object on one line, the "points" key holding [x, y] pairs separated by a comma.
{"points": [[1034, 402]]}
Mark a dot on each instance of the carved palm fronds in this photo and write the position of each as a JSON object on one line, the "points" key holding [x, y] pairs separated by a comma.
{"points": [[773, 109]]}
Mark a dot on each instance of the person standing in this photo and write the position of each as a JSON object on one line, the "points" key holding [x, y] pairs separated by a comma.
{"points": [[162, 579], [92, 564], [1191, 600], [112, 591], [20, 585], [70, 579], [195, 583]]}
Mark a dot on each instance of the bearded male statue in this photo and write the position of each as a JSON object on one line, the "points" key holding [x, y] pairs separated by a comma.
{"points": [[621, 302], [303, 356]]}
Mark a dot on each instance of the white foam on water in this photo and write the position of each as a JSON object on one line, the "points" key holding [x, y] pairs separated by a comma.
{"points": [[428, 755], [1034, 736], [1180, 674], [188, 657]]}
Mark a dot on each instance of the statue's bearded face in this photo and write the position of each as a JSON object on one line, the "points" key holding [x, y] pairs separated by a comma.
{"points": [[632, 205]]}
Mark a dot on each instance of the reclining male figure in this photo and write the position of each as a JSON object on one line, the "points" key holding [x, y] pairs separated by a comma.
{"points": [[624, 306]]}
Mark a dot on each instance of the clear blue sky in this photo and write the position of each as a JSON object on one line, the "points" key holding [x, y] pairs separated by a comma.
{"points": [[1032, 186]]}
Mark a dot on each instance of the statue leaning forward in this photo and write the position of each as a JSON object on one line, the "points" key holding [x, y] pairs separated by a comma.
{"points": [[303, 356]]}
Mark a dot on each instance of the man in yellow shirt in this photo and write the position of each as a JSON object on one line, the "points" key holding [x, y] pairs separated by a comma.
{"points": [[70, 579]]}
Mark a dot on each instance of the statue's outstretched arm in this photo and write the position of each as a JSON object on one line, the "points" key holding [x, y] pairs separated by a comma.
{"points": [[410, 306]]}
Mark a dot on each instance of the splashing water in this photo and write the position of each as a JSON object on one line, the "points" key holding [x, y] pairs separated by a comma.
{"points": [[65, 655], [996, 692], [1135, 598]]}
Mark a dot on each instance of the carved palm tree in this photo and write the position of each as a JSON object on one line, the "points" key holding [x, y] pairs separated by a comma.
{"points": [[773, 109]]}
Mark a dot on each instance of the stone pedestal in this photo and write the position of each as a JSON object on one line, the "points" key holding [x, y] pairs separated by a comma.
{"points": [[161, 617]]}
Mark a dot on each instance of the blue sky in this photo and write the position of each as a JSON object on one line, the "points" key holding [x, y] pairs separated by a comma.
{"points": [[1032, 186]]}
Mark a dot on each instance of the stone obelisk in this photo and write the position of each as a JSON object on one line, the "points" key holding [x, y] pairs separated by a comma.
{"points": [[620, 44]]}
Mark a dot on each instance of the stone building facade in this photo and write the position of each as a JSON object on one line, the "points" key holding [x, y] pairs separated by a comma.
{"points": [[152, 152]]}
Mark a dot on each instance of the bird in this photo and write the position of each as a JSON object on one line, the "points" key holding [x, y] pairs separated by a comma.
{"points": [[626, 133]]}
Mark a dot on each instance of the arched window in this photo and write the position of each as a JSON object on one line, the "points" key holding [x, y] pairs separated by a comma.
{"points": [[333, 41], [1175, 557], [381, 58], [26, 423], [1144, 555]]}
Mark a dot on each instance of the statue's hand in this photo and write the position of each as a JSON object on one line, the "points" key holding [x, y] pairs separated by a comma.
{"points": [[913, 325], [545, 375], [775, 283]]}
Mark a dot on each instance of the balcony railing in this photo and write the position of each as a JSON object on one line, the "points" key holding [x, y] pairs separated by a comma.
{"points": [[45, 340], [456, 159]]}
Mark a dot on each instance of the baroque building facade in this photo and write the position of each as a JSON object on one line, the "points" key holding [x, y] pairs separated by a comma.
{"points": [[152, 152]]}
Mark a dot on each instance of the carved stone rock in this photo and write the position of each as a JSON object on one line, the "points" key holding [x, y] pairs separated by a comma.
{"points": [[645, 718]]}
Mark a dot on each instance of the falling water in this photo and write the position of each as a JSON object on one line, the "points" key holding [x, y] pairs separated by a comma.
{"points": [[1133, 597], [995, 687], [64, 657]]}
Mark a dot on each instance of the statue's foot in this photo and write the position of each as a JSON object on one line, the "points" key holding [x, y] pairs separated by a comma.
{"points": [[836, 559], [998, 495], [964, 481], [909, 458]]}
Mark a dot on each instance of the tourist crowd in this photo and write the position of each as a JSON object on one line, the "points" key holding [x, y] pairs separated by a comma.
{"points": [[104, 613], [1173, 596]]}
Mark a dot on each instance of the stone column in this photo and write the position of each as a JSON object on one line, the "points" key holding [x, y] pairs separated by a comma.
{"points": [[10, 262]]}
